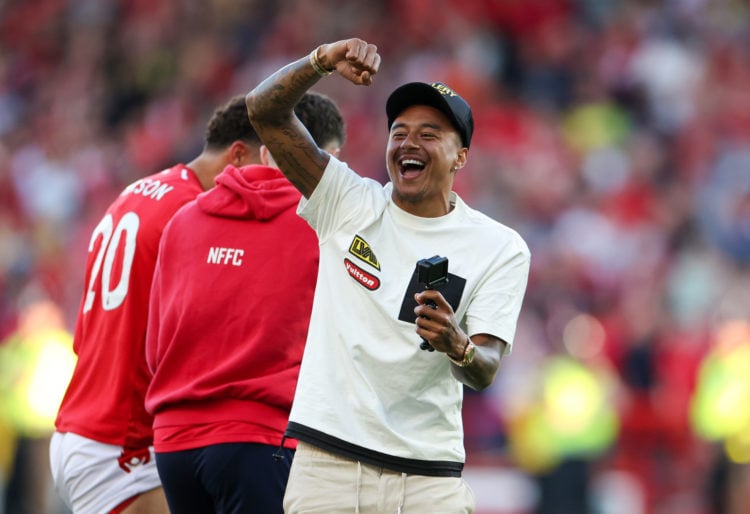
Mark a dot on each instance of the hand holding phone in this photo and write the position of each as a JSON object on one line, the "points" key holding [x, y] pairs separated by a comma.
{"points": [[432, 273]]}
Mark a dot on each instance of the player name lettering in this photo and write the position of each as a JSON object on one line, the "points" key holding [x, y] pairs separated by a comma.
{"points": [[219, 255], [149, 188]]}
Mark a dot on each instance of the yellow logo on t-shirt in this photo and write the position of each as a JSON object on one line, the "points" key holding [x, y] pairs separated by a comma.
{"points": [[361, 250]]}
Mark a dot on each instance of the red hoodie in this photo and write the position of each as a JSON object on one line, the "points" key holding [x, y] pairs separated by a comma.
{"points": [[230, 307]]}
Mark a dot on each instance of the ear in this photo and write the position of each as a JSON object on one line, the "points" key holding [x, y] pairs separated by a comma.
{"points": [[237, 154], [461, 157], [240, 153]]}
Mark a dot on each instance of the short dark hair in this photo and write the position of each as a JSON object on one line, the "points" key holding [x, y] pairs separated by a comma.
{"points": [[230, 123], [322, 118]]}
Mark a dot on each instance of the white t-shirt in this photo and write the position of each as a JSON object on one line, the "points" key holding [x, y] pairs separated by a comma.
{"points": [[365, 389]]}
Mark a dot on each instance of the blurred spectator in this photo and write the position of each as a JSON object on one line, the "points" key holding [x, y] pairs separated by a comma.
{"points": [[36, 363], [568, 420], [720, 413]]}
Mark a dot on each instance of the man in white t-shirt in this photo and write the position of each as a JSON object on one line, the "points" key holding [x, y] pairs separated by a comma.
{"points": [[377, 414]]}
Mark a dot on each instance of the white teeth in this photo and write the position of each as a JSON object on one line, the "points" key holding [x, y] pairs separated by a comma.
{"points": [[413, 162]]}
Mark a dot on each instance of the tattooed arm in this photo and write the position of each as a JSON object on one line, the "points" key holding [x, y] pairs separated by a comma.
{"points": [[270, 106]]}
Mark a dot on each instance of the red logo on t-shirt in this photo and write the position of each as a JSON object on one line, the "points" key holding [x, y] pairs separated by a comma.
{"points": [[367, 280]]}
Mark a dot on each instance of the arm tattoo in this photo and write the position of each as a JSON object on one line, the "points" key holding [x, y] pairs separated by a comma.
{"points": [[271, 110]]}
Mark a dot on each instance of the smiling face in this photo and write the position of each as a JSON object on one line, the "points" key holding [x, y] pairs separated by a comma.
{"points": [[424, 151]]}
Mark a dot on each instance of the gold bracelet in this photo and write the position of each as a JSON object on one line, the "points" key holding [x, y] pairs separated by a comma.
{"points": [[458, 359], [467, 357], [315, 63]]}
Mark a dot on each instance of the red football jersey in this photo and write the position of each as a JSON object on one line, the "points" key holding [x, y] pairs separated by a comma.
{"points": [[104, 400]]}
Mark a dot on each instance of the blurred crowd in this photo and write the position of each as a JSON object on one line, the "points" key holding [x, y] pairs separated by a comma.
{"points": [[613, 135]]}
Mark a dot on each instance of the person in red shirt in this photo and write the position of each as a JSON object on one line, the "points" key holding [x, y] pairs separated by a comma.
{"points": [[229, 311], [101, 454]]}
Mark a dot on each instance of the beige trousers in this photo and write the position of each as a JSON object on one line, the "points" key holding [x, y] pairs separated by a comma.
{"points": [[324, 483]]}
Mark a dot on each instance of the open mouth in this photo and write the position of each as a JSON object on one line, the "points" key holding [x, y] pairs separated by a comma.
{"points": [[410, 168]]}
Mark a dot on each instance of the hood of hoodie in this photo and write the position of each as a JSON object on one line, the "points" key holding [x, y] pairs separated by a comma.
{"points": [[251, 192]]}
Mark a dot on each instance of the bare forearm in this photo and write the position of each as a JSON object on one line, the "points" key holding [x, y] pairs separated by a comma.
{"points": [[272, 101], [475, 359], [270, 106], [485, 362], [482, 371]]}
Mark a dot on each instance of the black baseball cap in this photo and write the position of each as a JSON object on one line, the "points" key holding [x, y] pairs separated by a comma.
{"points": [[436, 95]]}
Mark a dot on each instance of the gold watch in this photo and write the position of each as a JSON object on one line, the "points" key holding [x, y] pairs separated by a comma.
{"points": [[469, 351]]}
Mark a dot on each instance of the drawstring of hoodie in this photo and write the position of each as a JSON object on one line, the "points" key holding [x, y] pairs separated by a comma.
{"points": [[278, 456]]}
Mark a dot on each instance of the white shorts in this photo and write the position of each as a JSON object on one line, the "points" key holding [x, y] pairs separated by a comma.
{"points": [[88, 475]]}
